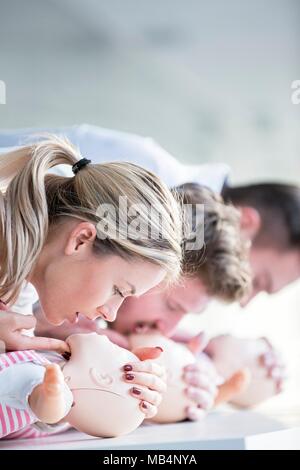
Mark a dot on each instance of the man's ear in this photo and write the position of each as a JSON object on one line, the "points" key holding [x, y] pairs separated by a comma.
{"points": [[250, 221], [81, 236]]}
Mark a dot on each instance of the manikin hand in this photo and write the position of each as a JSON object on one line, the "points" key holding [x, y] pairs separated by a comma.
{"points": [[47, 400], [233, 386]]}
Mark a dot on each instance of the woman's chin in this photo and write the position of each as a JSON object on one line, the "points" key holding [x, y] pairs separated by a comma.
{"points": [[54, 320]]}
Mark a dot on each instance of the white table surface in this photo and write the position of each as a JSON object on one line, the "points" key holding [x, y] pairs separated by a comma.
{"points": [[226, 429]]}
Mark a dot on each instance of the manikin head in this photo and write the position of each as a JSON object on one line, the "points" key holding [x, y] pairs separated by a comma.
{"points": [[270, 221], [174, 358], [103, 406]]}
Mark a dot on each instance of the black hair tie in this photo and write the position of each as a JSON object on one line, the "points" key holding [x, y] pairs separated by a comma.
{"points": [[80, 164]]}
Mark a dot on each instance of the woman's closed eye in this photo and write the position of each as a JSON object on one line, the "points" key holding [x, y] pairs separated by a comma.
{"points": [[172, 307], [119, 292]]}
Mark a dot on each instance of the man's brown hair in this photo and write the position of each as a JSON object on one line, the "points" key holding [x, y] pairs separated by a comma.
{"points": [[222, 262]]}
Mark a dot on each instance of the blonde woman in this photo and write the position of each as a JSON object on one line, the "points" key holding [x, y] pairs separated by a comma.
{"points": [[80, 258]]}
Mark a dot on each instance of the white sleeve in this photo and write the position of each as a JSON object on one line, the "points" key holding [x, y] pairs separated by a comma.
{"points": [[24, 304], [28, 296], [100, 145], [108, 145]]}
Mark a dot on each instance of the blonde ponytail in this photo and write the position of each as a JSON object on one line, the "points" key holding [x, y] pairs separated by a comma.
{"points": [[32, 200]]}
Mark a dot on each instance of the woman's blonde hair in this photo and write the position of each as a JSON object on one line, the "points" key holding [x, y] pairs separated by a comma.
{"points": [[32, 201]]}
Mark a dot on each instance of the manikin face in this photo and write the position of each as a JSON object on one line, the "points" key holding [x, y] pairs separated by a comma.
{"points": [[102, 404], [162, 309], [71, 279]]}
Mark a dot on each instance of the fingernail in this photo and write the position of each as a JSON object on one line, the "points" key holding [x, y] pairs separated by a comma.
{"points": [[66, 355], [127, 368], [144, 405], [136, 391], [158, 347], [129, 376]]}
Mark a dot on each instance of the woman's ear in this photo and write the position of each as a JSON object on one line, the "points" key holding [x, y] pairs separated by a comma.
{"points": [[80, 238], [250, 221]]}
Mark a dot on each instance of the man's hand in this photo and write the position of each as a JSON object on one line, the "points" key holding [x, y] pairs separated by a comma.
{"points": [[202, 380]]}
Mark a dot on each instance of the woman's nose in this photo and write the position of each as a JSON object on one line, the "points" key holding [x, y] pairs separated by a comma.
{"points": [[109, 311]]}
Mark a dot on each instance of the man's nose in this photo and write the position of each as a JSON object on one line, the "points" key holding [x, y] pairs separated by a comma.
{"points": [[167, 326]]}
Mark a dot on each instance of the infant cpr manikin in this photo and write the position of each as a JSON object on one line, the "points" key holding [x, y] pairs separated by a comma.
{"points": [[245, 352], [174, 358], [102, 406]]}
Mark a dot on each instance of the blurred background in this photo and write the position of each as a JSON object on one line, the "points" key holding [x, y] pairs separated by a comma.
{"points": [[209, 80]]}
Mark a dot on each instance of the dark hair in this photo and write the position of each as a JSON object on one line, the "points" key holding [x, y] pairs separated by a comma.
{"points": [[279, 207], [222, 262]]}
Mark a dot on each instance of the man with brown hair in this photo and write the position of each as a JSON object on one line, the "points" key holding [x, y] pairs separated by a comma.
{"points": [[270, 219], [219, 269]]}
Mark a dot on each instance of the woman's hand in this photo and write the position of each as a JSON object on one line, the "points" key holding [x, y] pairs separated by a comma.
{"points": [[12, 337], [273, 363], [148, 379]]}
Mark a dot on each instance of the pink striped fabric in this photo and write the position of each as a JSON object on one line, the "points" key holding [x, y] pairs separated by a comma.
{"points": [[28, 433], [15, 422]]}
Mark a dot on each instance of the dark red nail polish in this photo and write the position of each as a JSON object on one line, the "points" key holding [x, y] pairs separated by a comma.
{"points": [[66, 355], [136, 391], [158, 347], [129, 376], [127, 368], [144, 406]]}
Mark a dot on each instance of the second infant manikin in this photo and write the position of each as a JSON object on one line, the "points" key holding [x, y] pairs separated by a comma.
{"points": [[174, 358]]}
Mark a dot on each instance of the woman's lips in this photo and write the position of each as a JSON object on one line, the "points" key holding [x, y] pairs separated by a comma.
{"points": [[75, 318]]}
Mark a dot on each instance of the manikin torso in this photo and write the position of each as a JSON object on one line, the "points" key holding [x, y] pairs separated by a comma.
{"points": [[102, 406]]}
